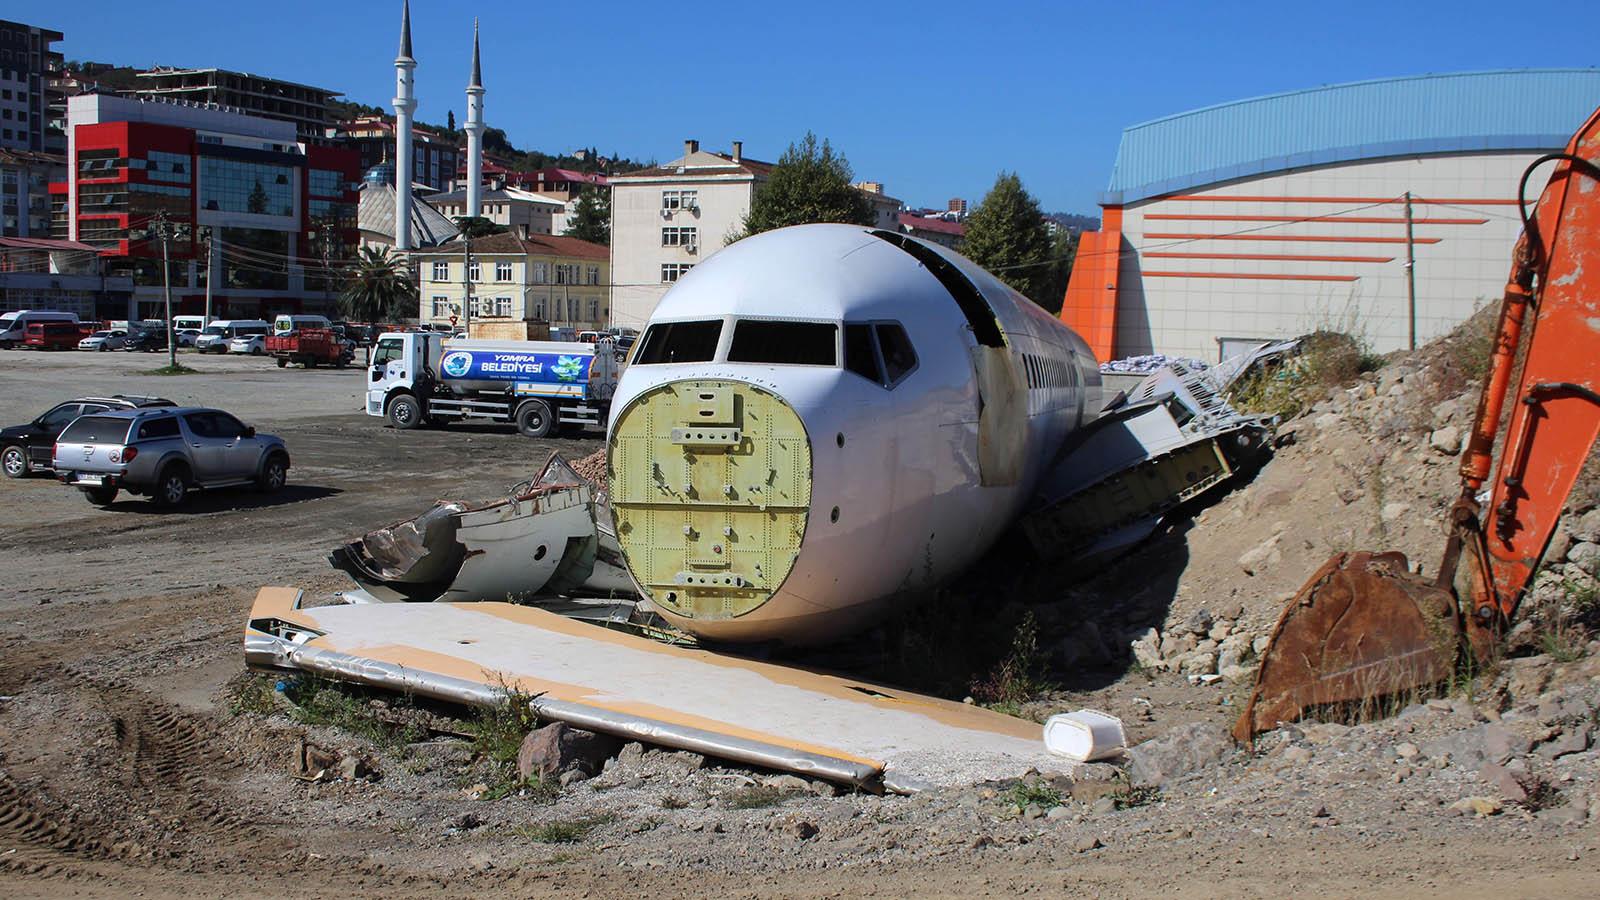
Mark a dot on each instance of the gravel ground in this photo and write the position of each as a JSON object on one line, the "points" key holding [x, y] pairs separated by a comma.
{"points": [[123, 769]]}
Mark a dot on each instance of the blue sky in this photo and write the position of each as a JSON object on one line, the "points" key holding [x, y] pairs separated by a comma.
{"points": [[933, 98]]}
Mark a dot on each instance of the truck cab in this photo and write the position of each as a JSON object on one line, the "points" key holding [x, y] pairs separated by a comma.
{"points": [[423, 376]]}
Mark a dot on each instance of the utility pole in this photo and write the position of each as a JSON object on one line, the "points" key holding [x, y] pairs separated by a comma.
{"points": [[466, 284], [1411, 278], [164, 232], [205, 232]]}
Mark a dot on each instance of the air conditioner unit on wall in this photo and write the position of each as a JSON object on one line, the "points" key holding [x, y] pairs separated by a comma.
{"points": [[666, 213], [689, 247]]}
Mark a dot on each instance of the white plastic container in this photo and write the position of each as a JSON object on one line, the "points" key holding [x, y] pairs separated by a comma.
{"points": [[1085, 735]]}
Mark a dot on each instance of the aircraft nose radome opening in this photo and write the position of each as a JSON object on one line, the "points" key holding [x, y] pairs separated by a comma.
{"points": [[711, 488]]}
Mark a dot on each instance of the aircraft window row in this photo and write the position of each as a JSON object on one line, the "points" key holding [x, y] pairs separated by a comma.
{"points": [[1045, 372], [879, 351], [679, 342], [788, 343]]}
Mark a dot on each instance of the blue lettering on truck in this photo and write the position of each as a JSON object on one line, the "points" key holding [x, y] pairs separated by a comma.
{"points": [[491, 365]]}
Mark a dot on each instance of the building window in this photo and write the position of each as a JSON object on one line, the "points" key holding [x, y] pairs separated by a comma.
{"points": [[325, 183], [502, 271], [502, 307], [679, 237], [594, 309], [538, 310], [231, 185], [472, 271], [679, 199], [671, 272], [593, 275], [541, 274], [441, 307], [441, 271]]}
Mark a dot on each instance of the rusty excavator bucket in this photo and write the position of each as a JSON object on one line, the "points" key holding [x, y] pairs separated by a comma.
{"points": [[1364, 628]]}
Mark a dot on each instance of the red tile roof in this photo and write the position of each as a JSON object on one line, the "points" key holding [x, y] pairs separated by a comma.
{"points": [[943, 226], [555, 245], [745, 165]]}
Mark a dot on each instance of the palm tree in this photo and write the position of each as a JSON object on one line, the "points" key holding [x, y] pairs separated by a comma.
{"points": [[379, 286]]}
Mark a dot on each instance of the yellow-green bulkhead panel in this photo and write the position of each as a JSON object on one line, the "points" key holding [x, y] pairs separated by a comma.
{"points": [[710, 487]]}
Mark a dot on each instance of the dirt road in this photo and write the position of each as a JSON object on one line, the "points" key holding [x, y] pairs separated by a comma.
{"points": [[124, 771]]}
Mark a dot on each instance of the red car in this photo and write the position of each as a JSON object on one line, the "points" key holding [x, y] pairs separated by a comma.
{"points": [[53, 336]]}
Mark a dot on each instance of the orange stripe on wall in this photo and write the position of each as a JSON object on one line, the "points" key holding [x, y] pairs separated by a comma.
{"points": [[1365, 220], [1263, 276], [1090, 305], [1294, 257], [1452, 201], [1332, 238]]}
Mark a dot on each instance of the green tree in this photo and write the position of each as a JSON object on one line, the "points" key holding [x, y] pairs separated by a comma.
{"points": [[450, 121], [810, 183], [1007, 235], [1063, 252], [591, 218], [379, 287], [256, 202], [477, 226]]}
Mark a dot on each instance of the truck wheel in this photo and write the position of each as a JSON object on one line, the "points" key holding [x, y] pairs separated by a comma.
{"points": [[14, 460], [273, 474], [171, 488], [535, 419], [404, 412], [310, 363], [100, 496], [282, 362]]}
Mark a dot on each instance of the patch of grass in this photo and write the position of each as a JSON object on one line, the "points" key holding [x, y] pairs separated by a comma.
{"points": [[1327, 359], [1041, 795], [175, 369], [537, 789], [569, 831], [1130, 795], [497, 732], [756, 796], [1019, 676], [319, 701], [252, 693]]}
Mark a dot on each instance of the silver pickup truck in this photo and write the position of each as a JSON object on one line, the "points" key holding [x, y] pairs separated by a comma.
{"points": [[165, 453]]}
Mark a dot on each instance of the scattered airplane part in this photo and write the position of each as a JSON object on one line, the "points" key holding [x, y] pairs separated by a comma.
{"points": [[1175, 438], [824, 420], [539, 539], [758, 713]]}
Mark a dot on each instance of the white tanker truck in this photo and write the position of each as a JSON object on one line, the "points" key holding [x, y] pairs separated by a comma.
{"points": [[421, 377]]}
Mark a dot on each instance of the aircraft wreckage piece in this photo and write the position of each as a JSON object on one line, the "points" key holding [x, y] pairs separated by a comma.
{"points": [[610, 681], [540, 539]]}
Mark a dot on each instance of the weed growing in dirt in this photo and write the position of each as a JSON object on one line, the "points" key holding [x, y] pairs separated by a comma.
{"points": [[1327, 359], [1129, 795], [570, 831], [756, 796], [318, 701], [1018, 678], [497, 731], [1040, 795], [251, 693]]}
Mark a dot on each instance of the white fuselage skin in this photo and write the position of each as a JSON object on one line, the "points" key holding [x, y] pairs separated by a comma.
{"points": [[913, 506]]}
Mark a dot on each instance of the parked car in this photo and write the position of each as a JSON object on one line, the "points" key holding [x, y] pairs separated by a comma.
{"points": [[214, 338], [108, 339], [166, 453], [187, 336], [148, 340], [253, 344], [26, 448]]}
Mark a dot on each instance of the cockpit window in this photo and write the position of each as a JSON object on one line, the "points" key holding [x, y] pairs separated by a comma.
{"points": [[898, 356], [860, 356], [790, 343], [679, 342]]}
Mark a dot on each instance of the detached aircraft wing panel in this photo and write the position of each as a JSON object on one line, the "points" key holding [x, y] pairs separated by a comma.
{"points": [[762, 713]]}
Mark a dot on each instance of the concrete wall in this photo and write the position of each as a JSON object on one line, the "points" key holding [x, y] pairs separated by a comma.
{"points": [[1321, 247]]}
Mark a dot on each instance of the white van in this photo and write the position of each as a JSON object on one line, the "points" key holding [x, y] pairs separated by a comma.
{"points": [[214, 338], [198, 323], [286, 323], [14, 325]]}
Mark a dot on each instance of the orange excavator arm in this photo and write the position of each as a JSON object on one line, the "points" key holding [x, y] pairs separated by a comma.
{"points": [[1555, 399], [1364, 627]]}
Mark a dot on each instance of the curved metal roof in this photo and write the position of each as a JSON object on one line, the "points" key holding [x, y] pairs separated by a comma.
{"points": [[1512, 109]]}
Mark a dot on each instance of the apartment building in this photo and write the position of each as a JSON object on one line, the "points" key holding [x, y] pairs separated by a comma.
{"points": [[543, 278], [270, 98], [526, 214], [25, 178], [26, 65]]}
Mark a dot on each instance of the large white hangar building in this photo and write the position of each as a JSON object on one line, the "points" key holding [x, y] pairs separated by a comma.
{"points": [[1275, 216]]}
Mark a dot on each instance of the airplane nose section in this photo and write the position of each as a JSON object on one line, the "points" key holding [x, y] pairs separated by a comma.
{"points": [[710, 484]]}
